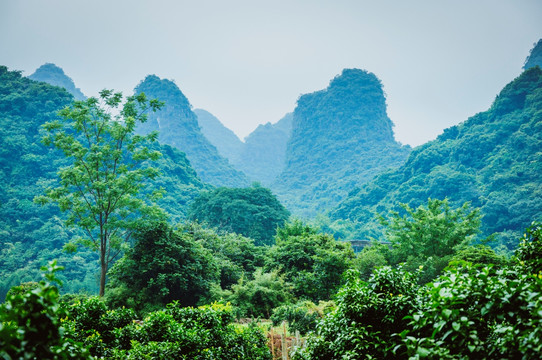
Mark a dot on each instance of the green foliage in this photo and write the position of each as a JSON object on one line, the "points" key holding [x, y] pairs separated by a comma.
{"points": [[370, 258], [492, 160], [165, 264], [257, 297], [175, 332], [478, 255], [236, 256], [253, 212], [32, 235], [478, 313], [312, 262], [529, 251], [341, 138], [301, 316], [470, 312], [436, 230], [430, 235], [99, 188], [178, 127], [366, 317], [31, 325]]}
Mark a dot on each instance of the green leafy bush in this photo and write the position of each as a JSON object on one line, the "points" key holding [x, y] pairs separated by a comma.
{"points": [[478, 313], [529, 251], [366, 317], [311, 261], [175, 332], [257, 297], [472, 311], [31, 325]]}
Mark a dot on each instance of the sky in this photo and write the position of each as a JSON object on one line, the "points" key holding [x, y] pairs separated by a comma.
{"points": [[247, 62]]}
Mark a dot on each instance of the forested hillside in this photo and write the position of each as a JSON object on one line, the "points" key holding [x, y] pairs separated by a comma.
{"points": [[263, 154], [493, 160], [225, 140], [53, 75], [31, 234], [341, 138], [34, 234], [178, 127]]}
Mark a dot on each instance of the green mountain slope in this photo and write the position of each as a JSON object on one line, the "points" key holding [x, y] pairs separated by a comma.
{"points": [[178, 127], [494, 160], [341, 138], [53, 75], [225, 140]]}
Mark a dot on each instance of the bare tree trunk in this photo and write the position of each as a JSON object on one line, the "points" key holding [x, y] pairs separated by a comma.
{"points": [[103, 271]]}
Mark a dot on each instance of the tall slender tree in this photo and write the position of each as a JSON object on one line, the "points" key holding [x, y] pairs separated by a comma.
{"points": [[100, 190]]}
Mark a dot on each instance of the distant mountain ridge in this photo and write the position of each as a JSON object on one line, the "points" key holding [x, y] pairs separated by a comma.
{"points": [[54, 75], [493, 160], [261, 157], [264, 153], [177, 126], [225, 140], [341, 138]]}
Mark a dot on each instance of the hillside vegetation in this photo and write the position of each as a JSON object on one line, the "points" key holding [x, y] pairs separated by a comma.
{"points": [[226, 142], [341, 138], [34, 234], [178, 127], [493, 160]]}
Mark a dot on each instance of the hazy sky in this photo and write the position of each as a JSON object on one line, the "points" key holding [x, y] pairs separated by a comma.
{"points": [[247, 62]]}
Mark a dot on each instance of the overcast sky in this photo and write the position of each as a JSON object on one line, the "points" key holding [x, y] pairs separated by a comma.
{"points": [[247, 62]]}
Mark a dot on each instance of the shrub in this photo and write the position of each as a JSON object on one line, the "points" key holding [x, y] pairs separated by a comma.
{"points": [[31, 325], [366, 317]]}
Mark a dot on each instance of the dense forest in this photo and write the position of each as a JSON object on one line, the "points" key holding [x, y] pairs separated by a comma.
{"points": [[127, 233]]}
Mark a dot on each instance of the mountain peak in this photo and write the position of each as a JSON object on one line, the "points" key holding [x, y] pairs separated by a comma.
{"points": [[341, 138], [178, 126], [54, 75], [535, 56]]}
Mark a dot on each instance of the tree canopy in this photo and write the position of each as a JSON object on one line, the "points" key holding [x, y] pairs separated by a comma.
{"points": [[99, 188], [253, 212]]}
